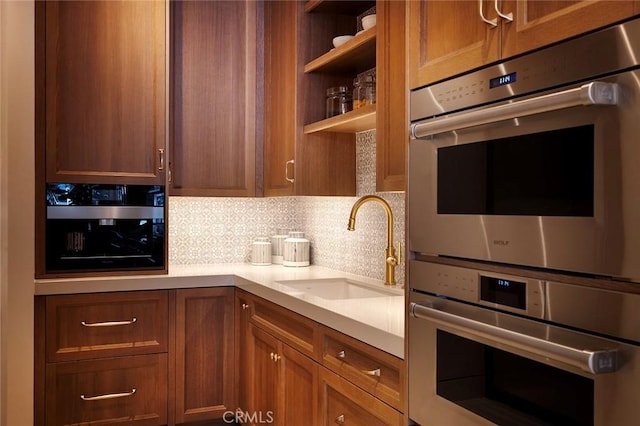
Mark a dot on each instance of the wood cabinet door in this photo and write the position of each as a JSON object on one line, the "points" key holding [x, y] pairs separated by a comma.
{"points": [[83, 326], [280, 80], [392, 131], [449, 37], [104, 76], [124, 390], [264, 377], [214, 74], [205, 387], [298, 390], [345, 404], [296, 163], [541, 22]]}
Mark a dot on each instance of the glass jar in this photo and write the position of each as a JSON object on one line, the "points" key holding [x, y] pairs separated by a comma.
{"points": [[366, 90], [356, 93], [338, 101]]}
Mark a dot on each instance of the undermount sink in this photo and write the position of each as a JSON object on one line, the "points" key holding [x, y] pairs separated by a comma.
{"points": [[334, 289]]}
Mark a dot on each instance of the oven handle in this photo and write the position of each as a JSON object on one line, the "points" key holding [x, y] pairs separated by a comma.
{"points": [[594, 361], [593, 93]]}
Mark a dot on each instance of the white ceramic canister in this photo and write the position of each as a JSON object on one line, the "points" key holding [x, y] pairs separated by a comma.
{"points": [[296, 250], [277, 246], [261, 251]]}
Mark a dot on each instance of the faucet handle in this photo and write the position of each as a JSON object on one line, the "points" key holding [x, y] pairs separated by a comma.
{"points": [[399, 253]]}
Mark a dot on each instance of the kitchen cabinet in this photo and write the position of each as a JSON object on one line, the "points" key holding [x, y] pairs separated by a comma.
{"points": [[381, 47], [101, 91], [343, 403], [295, 162], [450, 37], [280, 379], [102, 358], [153, 357], [215, 71], [204, 355], [302, 372], [375, 371]]}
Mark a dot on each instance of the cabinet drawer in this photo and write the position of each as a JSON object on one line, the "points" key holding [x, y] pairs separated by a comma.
{"points": [[84, 326], [297, 331], [345, 404], [125, 390], [375, 371]]}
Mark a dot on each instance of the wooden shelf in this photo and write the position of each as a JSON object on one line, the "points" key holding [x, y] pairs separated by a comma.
{"points": [[359, 120], [356, 55]]}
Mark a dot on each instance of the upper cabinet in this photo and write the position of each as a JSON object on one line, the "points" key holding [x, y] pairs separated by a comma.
{"points": [[450, 37], [215, 70], [311, 152], [101, 91], [297, 163]]}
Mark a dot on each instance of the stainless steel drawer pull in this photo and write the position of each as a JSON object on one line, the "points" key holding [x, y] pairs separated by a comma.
{"points": [[108, 396], [375, 372], [108, 323], [340, 419]]}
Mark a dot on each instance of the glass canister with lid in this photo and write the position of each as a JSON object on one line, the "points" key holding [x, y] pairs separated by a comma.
{"points": [[365, 91], [339, 101]]}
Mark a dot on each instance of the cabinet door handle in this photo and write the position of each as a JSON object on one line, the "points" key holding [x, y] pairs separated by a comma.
{"points": [[507, 16], [245, 306], [108, 396], [161, 158], [493, 22], [286, 170], [275, 357], [108, 323], [339, 420], [341, 355], [375, 372]]}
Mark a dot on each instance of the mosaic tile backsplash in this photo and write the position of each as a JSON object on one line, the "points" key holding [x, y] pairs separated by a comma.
{"points": [[220, 230]]}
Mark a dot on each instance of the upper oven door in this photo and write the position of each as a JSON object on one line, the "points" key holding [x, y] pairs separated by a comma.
{"points": [[556, 189]]}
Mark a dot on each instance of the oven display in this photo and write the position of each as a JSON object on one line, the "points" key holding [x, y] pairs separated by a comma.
{"points": [[503, 292], [502, 80]]}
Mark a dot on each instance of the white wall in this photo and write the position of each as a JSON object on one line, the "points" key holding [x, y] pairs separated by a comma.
{"points": [[16, 211]]}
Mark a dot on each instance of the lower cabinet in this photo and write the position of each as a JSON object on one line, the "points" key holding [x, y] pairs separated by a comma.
{"points": [[343, 403], [147, 358], [204, 354], [125, 390], [284, 381]]}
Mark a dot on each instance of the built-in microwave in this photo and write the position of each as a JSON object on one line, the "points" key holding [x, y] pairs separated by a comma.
{"points": [[533, 161], [104, 228]]}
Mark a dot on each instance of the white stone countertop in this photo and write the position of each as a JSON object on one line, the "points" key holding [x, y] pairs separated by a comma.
{"points": [[378, 321]]}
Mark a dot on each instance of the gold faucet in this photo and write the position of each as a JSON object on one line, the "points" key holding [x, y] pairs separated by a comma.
{"points": [[391, 257]]}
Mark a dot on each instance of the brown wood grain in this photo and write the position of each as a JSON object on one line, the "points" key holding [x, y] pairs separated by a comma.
{"points": [[105, 91], [214, 84]]}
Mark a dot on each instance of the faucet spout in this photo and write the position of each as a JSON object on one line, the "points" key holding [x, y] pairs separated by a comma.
{"points": [[391, 257]]}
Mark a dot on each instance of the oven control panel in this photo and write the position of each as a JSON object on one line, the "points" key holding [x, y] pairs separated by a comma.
{"points": [[500, 291]]}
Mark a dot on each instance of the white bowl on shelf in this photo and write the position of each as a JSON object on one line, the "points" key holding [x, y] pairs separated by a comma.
{"points": [[340, 40], [369, 21]]}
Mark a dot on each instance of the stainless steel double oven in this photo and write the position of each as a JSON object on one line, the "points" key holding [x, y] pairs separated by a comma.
{"points": [[524, 234]]}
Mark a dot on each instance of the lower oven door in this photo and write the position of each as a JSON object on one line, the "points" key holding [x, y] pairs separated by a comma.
{"points": [[475, 366]]}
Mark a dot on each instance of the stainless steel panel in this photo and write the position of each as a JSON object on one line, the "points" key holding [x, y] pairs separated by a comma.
{"points": [[606, 244], [580, 59], [105, 212]]}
